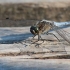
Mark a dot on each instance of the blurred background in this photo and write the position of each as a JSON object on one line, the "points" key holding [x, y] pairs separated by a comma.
{"points": [[16, 12]]}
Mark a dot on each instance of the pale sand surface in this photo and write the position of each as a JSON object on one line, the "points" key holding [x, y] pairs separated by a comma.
{"points": [[18, 63], [29, 49], [27, 61]]}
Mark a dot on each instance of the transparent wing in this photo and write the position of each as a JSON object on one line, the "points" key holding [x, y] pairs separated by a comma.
{"points": [[64, 34], [60, 47]]}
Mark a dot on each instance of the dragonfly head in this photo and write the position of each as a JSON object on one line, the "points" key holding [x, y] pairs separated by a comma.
{"points": [[34, 30]]}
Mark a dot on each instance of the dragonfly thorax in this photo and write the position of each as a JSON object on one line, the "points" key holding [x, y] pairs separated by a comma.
{"points": [[41, 27]]}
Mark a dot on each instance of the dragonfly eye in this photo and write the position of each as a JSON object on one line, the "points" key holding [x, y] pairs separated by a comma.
{"points": [[34, 30]]}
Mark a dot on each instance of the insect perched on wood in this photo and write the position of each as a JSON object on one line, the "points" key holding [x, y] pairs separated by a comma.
{"points": [[45, 26]]}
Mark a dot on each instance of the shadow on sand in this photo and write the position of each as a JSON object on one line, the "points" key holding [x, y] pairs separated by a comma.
{"points": [[14, 38], [27, 65]]}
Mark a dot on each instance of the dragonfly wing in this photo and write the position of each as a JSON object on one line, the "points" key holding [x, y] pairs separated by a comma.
{"points": [[64, 34]]}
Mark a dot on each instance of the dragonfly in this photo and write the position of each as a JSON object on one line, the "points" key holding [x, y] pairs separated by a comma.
{"points": [[46, 26]]}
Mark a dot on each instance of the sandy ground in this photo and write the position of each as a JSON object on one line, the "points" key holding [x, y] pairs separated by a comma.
{"points": [[18, 63], [13, 42], [16, 54]]}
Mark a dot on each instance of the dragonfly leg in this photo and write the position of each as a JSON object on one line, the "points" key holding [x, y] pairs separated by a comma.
{"points": [[53, 35], [33, 37], [39, 37]]}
